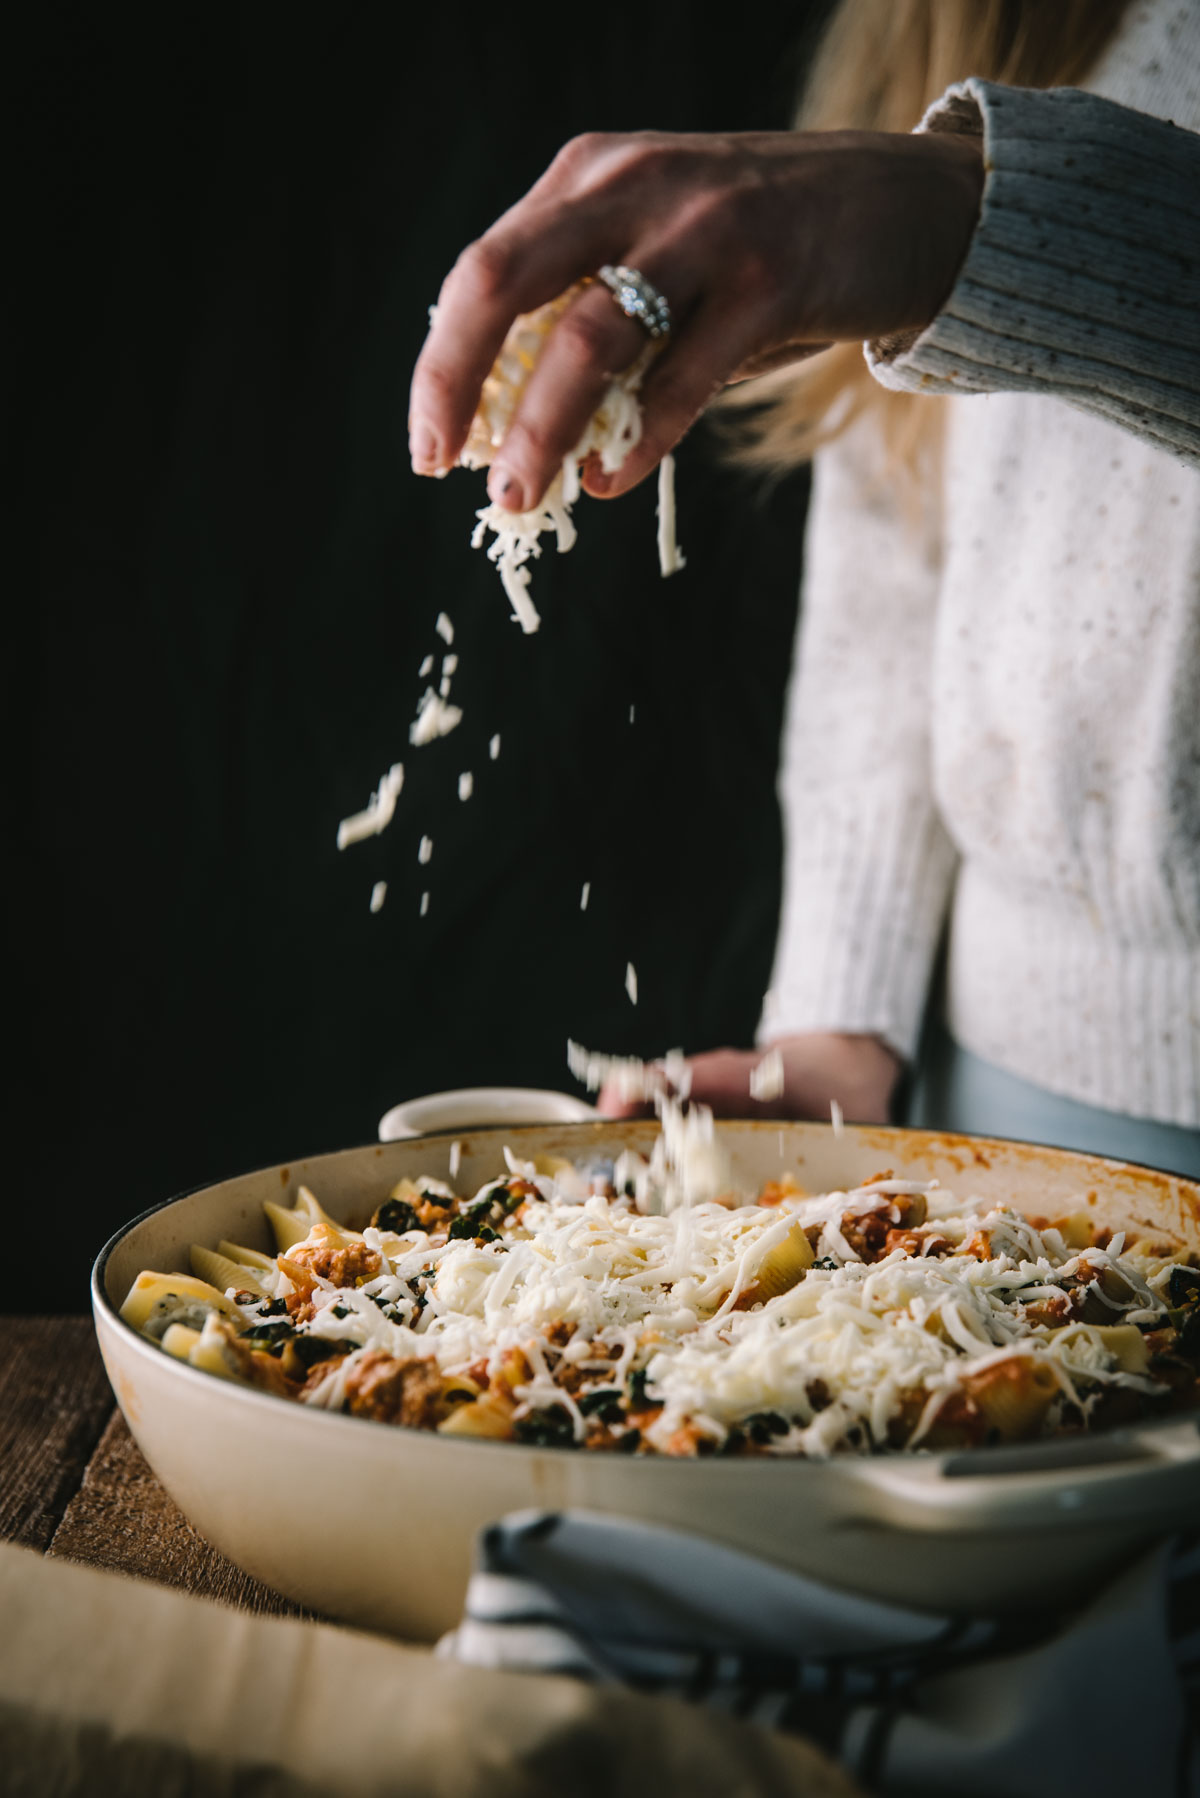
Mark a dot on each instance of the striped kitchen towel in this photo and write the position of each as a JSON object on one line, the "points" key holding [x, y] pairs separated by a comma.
{"points": [[1106, 1696]]}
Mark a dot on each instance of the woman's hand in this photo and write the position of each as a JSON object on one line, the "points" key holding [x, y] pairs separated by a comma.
{"points": [[767, 246], [859, 1072]]}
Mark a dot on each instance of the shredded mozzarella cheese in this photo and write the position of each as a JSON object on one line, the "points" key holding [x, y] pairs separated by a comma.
{"points": [[670, 557], [841, 1358], [611, 434], [379, 810], [434, 718], [766, 1078]]}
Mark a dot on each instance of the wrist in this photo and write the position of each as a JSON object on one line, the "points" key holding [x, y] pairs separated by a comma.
{"points": [[957, 166]]}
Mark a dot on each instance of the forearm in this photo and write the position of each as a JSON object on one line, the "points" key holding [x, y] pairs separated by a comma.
{"points": [[1082, 278]]}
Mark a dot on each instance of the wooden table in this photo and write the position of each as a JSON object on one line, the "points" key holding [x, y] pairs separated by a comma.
{"points": [[72, 1482]]}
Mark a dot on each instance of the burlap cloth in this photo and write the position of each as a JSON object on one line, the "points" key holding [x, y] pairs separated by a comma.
{"points": [[110, 1685]]}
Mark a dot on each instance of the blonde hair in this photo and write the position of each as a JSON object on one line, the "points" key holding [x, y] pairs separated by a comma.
{"points": [[879, 66]]}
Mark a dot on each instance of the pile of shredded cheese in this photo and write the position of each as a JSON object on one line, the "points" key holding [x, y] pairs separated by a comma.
{"points": [[836, 1358], [613, 431]]}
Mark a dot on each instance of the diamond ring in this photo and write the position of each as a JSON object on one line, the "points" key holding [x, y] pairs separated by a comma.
{"points": [[637, 298]]}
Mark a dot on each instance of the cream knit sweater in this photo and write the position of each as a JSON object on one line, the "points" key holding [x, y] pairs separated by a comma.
{"points": [[999, 719]]}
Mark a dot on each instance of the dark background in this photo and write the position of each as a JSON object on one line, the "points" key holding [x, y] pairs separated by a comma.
{"points": [[230, 231]]}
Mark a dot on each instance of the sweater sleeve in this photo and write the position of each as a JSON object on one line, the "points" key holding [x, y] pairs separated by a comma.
{"points": [[1083, 275], [868, 866]]}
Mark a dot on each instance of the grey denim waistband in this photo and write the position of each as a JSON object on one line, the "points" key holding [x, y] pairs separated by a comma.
{"points": [[952, 1089]]}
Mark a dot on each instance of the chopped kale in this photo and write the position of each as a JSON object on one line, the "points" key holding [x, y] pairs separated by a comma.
{"points": [[553, 1428], [272, 1336], [273, 1308], [419, 1287], [397, 1215], [466, 1225], [340, 1310], [637, 1391], [389, 1307], [1183, 1286], [480, 1219], [603, 1402], [765, 1424], [828, 1264], [308, 1350], [627, 1444]]}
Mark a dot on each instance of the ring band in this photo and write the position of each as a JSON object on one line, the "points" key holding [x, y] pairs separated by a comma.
{"points": [[637, 298]]}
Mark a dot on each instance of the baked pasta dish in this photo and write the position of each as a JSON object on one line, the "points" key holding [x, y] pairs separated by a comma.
{"points": [[551, 1308]]}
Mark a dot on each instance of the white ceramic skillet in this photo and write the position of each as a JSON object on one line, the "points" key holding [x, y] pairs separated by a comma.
{"points": [[375, 1523]]}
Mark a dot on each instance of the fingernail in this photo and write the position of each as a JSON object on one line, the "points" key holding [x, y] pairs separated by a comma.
{"points": [[599, 483], [424, 448], [505, 490]]}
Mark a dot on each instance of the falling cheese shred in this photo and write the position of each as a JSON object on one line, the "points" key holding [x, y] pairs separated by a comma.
{"points": [[379, 810], [670, 556], [766, 1077], [434, 719]]}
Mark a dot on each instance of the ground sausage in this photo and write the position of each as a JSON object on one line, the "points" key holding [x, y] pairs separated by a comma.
{"points": [[344, 1266], [388, 1390]]}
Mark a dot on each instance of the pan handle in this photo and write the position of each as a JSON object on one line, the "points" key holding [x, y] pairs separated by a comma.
{"points": [[1152, 1475]]}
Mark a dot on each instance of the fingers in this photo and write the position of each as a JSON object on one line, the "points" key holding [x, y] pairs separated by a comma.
{"points": [[698, 362], [575, 218], [591, 342], [493, 281], [605, 200]]}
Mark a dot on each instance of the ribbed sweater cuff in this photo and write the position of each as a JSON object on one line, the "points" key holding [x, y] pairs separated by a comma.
{"points": [[1082, 277], [865, 894]]}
